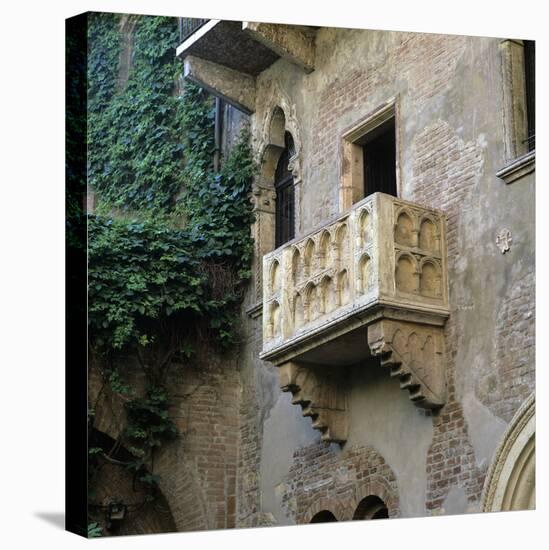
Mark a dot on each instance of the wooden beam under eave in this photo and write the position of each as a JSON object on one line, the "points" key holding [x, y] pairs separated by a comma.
{"points": [[232, 86], [291, 43]]}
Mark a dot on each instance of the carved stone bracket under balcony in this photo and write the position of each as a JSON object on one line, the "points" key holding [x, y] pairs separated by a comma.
{"points": [[414, 354], [322, 397], [370, 283]]}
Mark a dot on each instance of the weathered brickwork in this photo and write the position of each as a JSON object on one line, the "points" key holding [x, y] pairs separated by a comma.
{"points": [[112, 481], [451, 458], [252, 411], [438, 168], [205, 408], [198, 469], [427, 62], [322, 479], [511, 377], [249, 452], [445, 173]]}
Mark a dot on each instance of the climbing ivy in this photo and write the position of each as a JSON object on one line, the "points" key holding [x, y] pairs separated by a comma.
{"points": [[169, 246]]}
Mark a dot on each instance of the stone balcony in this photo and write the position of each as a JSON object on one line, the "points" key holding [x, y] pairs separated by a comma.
{"points": [[371, 282]]}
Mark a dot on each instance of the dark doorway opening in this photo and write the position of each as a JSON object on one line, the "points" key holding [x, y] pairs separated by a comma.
{"points": [[379, 149], [371, 507], [325, 516], [530, 81], [285, 200]]}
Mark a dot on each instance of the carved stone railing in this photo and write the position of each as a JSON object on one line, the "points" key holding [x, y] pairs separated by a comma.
{"points": [[371, 282]]}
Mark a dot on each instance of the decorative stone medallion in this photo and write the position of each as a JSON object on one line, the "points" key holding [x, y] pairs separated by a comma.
{"points": [[504, 240]]}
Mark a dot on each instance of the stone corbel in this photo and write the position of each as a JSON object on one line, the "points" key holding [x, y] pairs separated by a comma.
{"points": [[414, 353], [294, 165], [232, 86], [321, 396], [263, 199]]}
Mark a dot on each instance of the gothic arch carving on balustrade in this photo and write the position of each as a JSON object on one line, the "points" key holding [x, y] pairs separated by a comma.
{"points": [[309, 302], [429, 234], [308, 258], [274, 276], [430, 277], [406, 230], [274, 327], [407, 273], [323, 252]]}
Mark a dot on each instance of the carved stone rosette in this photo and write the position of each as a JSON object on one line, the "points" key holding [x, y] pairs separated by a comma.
{"points": [[414, 353]]}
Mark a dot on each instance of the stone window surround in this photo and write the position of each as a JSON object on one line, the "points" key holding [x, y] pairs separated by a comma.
{"points": [[519, 161], [279, 117], [351, 185]]}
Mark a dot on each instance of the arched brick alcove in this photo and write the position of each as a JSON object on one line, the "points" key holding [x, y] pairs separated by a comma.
{"points": [[324, 479]]}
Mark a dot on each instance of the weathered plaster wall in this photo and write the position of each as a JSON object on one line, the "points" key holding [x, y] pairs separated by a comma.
{"points": [[448, 92], [383, 416]]}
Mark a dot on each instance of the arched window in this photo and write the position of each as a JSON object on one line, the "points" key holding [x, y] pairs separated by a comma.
{"points": [[284, 187], [324, 516], [371, 507]]}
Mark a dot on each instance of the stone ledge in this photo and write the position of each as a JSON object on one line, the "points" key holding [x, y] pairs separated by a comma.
{"points": [[347, 322], [518, 168], [255, 311]]}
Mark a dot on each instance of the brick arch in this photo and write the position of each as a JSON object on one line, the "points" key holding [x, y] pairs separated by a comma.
{"points": [[322, 478], [333, 505], [382, 488], [112, 481]]}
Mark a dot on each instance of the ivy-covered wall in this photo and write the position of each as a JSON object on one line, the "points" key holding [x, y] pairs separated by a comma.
{"points": [[169, 248]]}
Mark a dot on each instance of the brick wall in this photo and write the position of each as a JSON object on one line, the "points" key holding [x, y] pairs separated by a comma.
{"points": [[250, 431], [324, 479], [141, 517], [425, 62], [510, 378], [198, 469], [446, 173], [249, 452]]}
